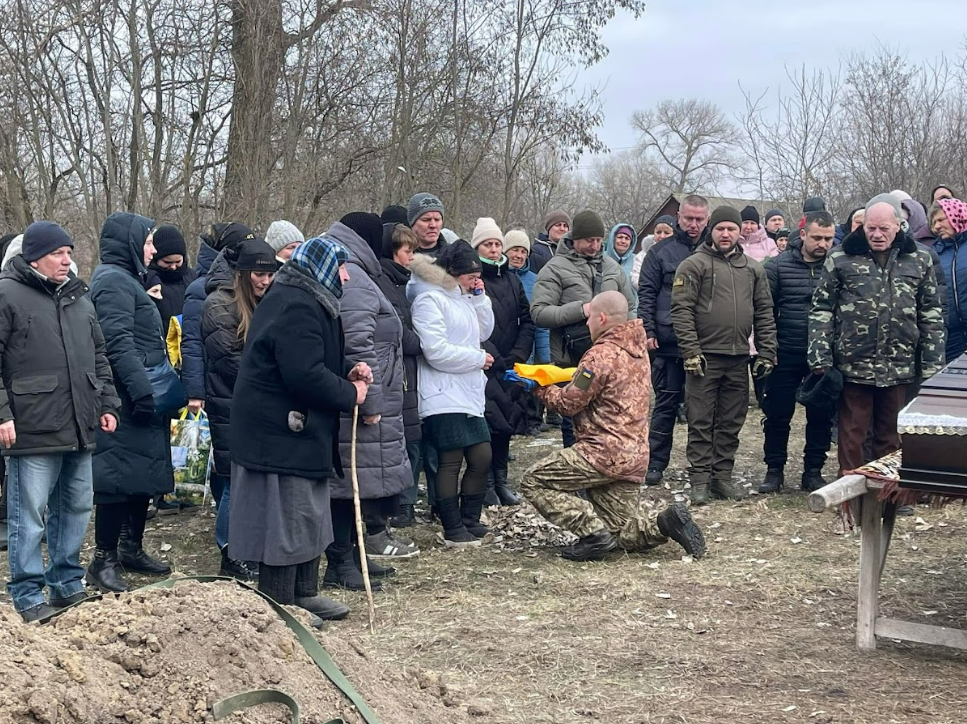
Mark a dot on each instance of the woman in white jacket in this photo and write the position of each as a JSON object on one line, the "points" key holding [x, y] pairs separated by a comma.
{"points": [[453, 316]]}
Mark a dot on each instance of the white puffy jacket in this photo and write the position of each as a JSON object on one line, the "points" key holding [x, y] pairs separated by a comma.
{"points": [[451, 326]]}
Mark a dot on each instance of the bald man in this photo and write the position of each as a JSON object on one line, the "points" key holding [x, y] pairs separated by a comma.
{"points": [[876, 317], [609, 398]]}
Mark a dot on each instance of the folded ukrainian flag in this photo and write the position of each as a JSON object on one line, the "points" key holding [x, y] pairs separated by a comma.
{"points": [[545, 375]]}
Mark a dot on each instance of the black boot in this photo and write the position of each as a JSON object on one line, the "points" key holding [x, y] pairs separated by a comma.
{"points": [[133, 558], [505, 495], [342, 572], [455, 533], [592, 547], [490, 497], [374, 568], [812, 479], [238, 570], [654, 476], [470, 507], [773, 481], [405, 518], [104, 573], [676, 522], [324, 608]]}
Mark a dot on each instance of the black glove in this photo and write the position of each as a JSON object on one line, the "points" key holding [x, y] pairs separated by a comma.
{"points": [[143, 411]]}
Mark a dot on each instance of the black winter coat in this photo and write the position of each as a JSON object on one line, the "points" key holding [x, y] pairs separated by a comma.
{"points": [[392, 282], [174, 285], [655, 289], [192, 355], [292, 385], [136, 459], [223, 354], [792, 281], [542, 251], [512, 341], [56, 378]]}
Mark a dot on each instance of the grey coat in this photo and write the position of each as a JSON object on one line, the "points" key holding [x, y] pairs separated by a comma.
{"points": [[56, 378], [373, 335], [563, 287]]}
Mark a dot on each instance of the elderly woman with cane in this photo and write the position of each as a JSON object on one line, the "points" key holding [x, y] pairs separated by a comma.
{"points": [[291, 388]]}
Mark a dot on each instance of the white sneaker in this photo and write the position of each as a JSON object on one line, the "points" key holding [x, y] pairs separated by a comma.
{"points": [[386, 545]]}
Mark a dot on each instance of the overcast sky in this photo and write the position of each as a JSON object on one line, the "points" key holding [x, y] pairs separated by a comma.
{"points": [[703, 48]]}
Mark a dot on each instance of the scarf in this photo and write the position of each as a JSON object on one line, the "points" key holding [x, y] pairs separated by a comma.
{"points": [[956, 213], [321, 257]]}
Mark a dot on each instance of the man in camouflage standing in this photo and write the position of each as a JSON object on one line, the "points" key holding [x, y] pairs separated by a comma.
{"points": [[875, 311], [608, 398]]}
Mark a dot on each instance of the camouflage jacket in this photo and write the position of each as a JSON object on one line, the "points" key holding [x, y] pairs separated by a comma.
{"points": [[609, 399], [877, 325]]}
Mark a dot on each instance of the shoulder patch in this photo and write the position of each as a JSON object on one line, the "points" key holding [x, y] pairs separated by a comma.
{"points": [[583, 379], [679, 282]]}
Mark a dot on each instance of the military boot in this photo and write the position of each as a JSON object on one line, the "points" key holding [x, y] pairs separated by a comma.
{"points": [[592, 547], [773, 481], [699, 494], [727, 490], [654, 476], [676, 522], [812, 479]]}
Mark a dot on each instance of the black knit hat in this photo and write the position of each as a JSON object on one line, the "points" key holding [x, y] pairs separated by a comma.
{"points": [[772, 212], [821, 392], [394, 214], [587, 225], [750, 213], [254, 255], [459, 258], [168, 240], [42, 238], [368, 227], [225, 235]]}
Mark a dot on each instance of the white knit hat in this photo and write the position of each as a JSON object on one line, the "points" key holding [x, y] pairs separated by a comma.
{"points": [[516, 238], [282, 233], [486, 228]]}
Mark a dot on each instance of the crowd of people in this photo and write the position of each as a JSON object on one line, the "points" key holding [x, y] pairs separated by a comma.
{"points": [[391, 336]]}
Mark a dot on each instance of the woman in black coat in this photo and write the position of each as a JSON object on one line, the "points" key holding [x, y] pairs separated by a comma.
{"points": [[511, 342], [134, 464], [293, 383], [225, 322], [397, 251], [170, 261]]}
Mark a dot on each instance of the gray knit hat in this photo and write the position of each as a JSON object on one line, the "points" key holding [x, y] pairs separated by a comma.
{"points": [[421, 204], [282, 233]]}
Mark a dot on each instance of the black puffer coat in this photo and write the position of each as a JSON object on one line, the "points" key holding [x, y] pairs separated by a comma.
{"points": [[792, 280], [136, 459], [392, 282], [655, 289], [223, 355], [511, 342]]}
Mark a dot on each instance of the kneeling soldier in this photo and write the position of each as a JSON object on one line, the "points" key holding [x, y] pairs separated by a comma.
{"points": [[609, 399]]}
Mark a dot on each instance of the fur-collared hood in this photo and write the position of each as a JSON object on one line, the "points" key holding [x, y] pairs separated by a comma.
{"points": [[294, 276], [426, 276], [855, 244]]}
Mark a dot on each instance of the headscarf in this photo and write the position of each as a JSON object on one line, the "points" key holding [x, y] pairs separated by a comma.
{"points": [[956, 212], [321, 257]]}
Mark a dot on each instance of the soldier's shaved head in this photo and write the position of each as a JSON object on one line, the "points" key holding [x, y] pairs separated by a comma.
{"points": [[611, 304]]}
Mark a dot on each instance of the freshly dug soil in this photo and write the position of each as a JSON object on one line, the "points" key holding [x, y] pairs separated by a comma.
{"points": [[167, 655]]}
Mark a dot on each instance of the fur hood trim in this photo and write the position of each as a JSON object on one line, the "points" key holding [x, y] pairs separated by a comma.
{"points": [[423, 268], [855, 244], [293, 276]]}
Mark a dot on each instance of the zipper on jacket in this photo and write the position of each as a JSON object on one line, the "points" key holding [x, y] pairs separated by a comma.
{"points": [[953, 273]]}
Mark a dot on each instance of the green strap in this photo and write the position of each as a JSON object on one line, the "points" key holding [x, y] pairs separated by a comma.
{"points": [[248, 699], [309, 642]]}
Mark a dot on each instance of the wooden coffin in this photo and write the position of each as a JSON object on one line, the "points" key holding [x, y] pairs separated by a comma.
{"points": [[933, 431]]}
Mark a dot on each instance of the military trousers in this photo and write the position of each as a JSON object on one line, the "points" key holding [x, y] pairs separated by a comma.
{"points": [[612, 504], [716, 406]]}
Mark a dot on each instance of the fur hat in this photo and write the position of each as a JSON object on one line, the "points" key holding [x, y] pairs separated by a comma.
{"points": [[485, 229], [821, 392], [516, 238]]}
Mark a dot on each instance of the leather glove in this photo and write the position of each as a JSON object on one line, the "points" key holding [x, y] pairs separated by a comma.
{"points": [[762, 368], [143, 411], [528, 385], [696, 365]]}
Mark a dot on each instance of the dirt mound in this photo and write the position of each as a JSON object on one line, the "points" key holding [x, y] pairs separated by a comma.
{"points": [[166, 655]]}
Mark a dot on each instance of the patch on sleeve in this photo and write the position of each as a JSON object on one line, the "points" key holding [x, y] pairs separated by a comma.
{"points": [[679, 284], [583, 379]]}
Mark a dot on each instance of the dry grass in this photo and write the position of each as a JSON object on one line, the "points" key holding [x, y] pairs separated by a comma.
{"points": [[759, 626]]}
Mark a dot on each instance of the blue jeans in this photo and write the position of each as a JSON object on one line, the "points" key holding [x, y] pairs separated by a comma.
{"points": [[224, 506], [62, 484]]}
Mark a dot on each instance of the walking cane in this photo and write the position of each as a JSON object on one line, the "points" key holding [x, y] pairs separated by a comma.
{"points": [[363, 563]]}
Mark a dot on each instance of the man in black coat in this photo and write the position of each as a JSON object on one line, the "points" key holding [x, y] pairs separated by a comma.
{"points": [[57, 391], [793, 276], [654, 310]]}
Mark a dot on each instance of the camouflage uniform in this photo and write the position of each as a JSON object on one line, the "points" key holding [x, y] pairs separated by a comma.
{"points": [[609, 399], [876, 326]]}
